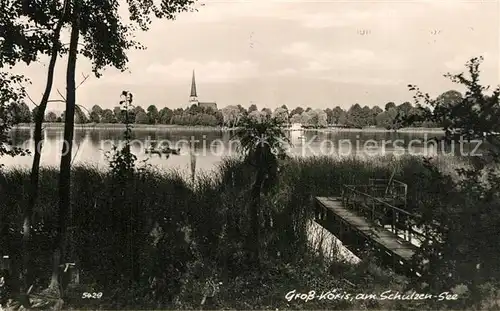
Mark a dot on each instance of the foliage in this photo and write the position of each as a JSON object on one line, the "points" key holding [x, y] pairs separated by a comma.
{"points": [[262, 141], [231, 115], [257, 135], [26, 30], [189, 235], [281, 114], [356, 116], [122, 160], [20, 113], [11, 92], [51, 117], [467, 213], [473, 116]]}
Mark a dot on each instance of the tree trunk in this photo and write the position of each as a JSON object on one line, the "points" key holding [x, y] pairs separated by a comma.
{"points": [[35, 168], [65, 166]]}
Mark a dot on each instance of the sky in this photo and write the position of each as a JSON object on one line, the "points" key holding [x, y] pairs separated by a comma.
{"points": [[317, 54]]}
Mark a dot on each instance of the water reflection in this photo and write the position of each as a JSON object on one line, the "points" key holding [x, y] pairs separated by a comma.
{"points": [[90, 145]]}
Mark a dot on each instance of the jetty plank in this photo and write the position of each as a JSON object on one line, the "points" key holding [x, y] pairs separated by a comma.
{"points": [[385, 239]]}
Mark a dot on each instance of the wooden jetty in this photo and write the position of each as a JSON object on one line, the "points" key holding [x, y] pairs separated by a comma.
{"points": [[374, 217]]}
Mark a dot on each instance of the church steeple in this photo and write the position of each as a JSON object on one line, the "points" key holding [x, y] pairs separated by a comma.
{"points": [[193, 98], [193, 87]]}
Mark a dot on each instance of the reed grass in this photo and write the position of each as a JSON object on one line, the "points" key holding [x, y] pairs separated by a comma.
{"points": [[214, 211]]}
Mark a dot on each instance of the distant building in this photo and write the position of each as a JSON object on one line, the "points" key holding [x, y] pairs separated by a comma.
{"points": [[193, 98]]}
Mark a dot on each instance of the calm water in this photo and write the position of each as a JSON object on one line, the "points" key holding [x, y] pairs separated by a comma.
{"points": [[211, 147], [90, 146]]}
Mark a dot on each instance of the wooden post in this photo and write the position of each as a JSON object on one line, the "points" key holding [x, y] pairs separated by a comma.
{"points": [[341, 230], [409, 229], [373, 209], [5, 263], [394, 229], [316, 210]]}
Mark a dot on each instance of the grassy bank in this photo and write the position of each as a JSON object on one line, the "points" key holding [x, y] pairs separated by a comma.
{"points": [[383, 130], [186, 235], [120, 126], [149, 127]]}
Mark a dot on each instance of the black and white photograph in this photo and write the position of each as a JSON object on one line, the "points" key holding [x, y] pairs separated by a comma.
{"points": [[249, 155]]}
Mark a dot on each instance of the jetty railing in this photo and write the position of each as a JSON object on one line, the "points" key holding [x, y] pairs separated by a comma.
{"points": [[383, 206]]}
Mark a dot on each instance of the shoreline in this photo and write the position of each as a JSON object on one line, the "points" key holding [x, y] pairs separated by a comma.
{"points": [[150, 127]]}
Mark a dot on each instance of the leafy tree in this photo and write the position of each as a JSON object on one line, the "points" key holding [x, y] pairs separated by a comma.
{"points": [[242, 110], [108, 116], [219, 117], [262, 143], [305, 118], [97, 109], [252, 107], [447, 101], [256, 115], [122, 161], [338, 114], [355, 116], [329, 115], [282, 114], [342, 118], [267, 111], [389, 105], [467, 211], [94, 117], [389, 119], [141, 118], [405, 108], [367, 117], [34, 113], [95, 114], [232, 115], [105, 41], [153, 115], [375, 111], [138, 109], [28, 29], [51, 117], [297, 110], [12, 93], [165, 115], [21, 113], [316, 118], [118, 115], [80, 116], [296, 118]]}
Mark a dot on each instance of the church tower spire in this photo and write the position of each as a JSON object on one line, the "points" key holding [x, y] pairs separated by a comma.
{"points": [[193, 86], [193, 98]]}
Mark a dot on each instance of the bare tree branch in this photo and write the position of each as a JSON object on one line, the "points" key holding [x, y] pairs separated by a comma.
{"points": [[31, 99], [85, 77], [62, 96]]}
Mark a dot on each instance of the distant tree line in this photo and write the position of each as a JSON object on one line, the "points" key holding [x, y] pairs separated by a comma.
{"points": [[391, 116]]}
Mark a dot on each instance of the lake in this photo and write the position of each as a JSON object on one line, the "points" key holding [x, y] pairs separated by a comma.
{"points": [[211, 147]]}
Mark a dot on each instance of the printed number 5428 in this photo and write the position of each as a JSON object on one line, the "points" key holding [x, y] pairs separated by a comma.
{"points": [[87, 295]]}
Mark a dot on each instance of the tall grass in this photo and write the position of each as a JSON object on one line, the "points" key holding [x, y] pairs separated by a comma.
{"points": [[188, 234]]}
